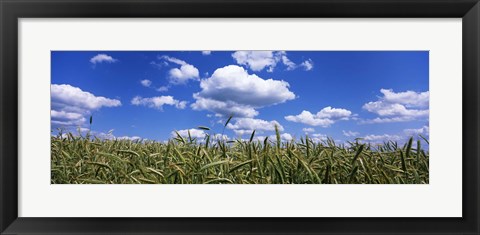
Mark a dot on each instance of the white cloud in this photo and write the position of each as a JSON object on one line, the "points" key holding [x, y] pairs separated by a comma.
{"points": [[183, 74], [387, 120], [255, 60], [398, 107], [287, 62], [318, 138], [158, 102], [381, 138], [70, 105], [425, 131], [221, 137], [100, 58], [308, 129], [173, 60], [101, 135], [74, 96], [146, 83], [285, 137], [307, 65], [350, 133], [224, 108], [206, 52], [407, 98], [248, 125], [324, 118], [162, 88], [194, 133], [132, 138], [383, 108], [65, 115], [259, 60], [232, 91]]}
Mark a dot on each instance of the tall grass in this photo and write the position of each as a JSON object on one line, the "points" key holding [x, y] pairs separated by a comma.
{"points": [[187, 160]]}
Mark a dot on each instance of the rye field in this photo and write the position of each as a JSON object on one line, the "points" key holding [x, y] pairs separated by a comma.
{"points": [[186, 160]]}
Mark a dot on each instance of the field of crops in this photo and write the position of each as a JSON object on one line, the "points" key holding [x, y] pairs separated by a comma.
{"points": [[186, 160]]}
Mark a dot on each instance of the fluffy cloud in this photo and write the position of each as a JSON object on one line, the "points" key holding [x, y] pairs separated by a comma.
{"points": [[206, 52], [318, 138], [223, 107], [183, 74], [425, 131], [100, 58], [284, 137], [350, 133], [407, 98], [158, 102], [70, 105], [308, 129], [398, 107], [146, 83], [194, 133], [255, 60], [383, 108], [232, 91], [324, 118], [247, 125], [259, 60]]}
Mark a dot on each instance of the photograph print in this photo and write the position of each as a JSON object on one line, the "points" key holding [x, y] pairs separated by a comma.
{"points": [[239, 117]]}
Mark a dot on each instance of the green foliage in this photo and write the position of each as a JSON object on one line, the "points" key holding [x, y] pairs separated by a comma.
{"points": [[89, 160]]}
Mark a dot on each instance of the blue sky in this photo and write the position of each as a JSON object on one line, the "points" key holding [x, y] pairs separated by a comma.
{"points": [[378, 95]]}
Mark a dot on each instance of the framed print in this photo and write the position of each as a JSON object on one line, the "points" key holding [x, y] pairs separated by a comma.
{"points": [[239, 117]]}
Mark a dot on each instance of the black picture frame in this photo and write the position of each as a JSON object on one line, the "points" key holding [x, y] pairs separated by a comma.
{"points": [[12, 10]]}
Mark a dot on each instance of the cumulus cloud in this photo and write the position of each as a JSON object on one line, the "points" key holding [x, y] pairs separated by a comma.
{"points": [[182, 74], [425, 131], [70, 105], [194, 133], [255, 60], [350, 133], [284, 137], [146, 83], [319, 138], [324, 118], [158, 102], [224, 108], [259, 60], [248, 125], [206, 52], [398, 107], [407, 98], [100, 58], [232, 91], [308, 129]]}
